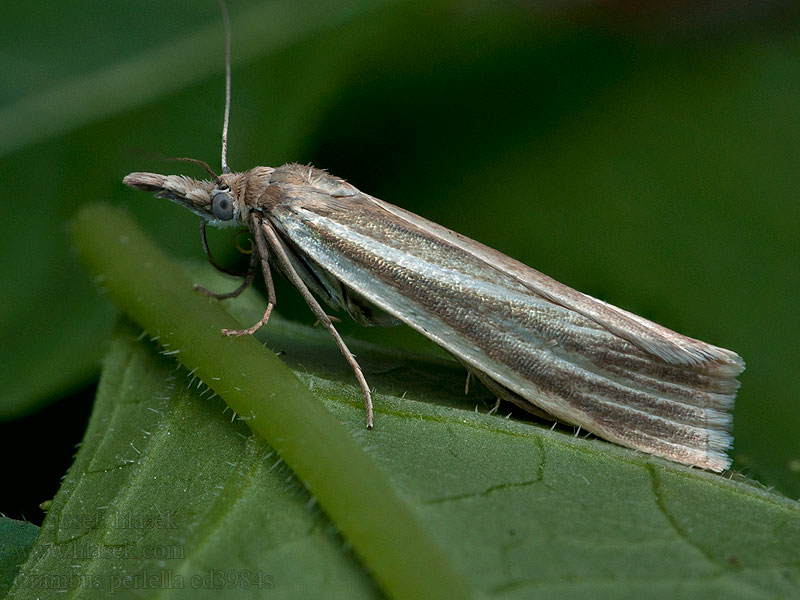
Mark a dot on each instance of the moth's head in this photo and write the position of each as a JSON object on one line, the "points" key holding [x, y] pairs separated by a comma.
{"points": [[218, 201]]}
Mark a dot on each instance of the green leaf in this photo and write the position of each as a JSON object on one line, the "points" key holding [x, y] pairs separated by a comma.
{"points": [[168, 486], [645, 163], [519, 510], [256, 385], [16, 540]]}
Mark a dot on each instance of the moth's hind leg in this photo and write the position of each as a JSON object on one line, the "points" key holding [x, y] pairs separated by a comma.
{"points": [[503, 393], [264, 230]]}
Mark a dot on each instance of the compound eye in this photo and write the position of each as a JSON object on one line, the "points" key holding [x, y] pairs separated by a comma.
{"points": [[222, 206]]}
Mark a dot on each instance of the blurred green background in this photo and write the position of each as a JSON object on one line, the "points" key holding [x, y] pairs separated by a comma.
{"points": [[647, 157]]}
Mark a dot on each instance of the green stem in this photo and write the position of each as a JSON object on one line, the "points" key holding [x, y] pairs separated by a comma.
{"points": [[348, 485]]}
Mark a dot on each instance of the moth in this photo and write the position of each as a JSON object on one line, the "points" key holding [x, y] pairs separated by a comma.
{"points": [[531, 340]]}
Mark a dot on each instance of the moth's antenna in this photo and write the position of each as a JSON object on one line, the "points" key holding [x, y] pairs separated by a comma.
{"points": [[227, 22], [197, 161]]}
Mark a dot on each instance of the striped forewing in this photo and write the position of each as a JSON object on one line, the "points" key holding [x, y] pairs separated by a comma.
{"points": [[582, 360]]}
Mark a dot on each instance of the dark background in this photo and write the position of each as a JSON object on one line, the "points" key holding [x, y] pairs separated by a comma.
{"points": [[646, 156]]}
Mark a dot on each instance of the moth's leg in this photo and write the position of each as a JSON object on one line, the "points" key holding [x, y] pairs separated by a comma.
{"points": [[503, 393], [331, 317], [248, 279], [263, 254], [207, 250], [323, 318]]}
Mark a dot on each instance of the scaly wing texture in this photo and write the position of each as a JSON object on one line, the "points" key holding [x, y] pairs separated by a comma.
{"points": [[580, 359]]}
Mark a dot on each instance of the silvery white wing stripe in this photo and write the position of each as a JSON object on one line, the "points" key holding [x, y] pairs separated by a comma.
{"points": [[573, 366]]}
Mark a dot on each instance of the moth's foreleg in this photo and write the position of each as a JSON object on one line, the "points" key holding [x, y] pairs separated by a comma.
{"points": [[248, 279], [207, 250], [261, 252], [319, 313]]}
